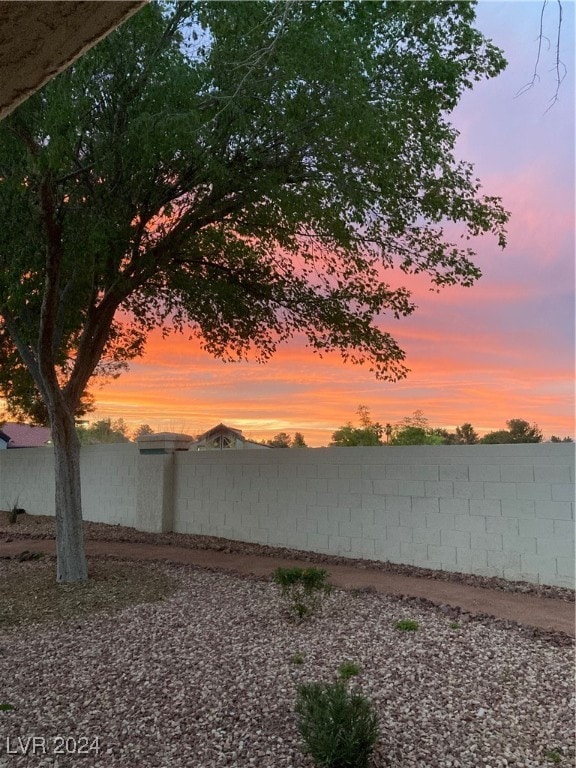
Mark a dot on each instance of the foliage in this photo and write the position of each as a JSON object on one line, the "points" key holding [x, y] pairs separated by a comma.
{"points": [[142, 431], [104, 431], [339, 727], [555, 439], [414, 430], [297, 658], [24, 402], [348, 669], [519, 431], [466, 435], [298, 441], [215, 168], [302, 589], [368, 433], [283, 440], [407, 625]]}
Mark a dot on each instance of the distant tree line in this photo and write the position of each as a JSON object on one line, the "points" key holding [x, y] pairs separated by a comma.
{"points": [[415, 430]]}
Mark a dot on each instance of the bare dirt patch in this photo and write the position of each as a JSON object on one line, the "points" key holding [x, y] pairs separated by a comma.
{"points": [[29, 592]]}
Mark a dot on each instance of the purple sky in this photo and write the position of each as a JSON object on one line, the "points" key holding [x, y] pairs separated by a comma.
{"points": [[500, 350]]}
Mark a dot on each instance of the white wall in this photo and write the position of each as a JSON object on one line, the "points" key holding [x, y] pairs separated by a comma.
{"points": [[491, 510], [108, 481]]}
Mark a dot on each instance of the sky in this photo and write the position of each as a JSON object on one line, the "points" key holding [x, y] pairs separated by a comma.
{"points": [[500, 350]]}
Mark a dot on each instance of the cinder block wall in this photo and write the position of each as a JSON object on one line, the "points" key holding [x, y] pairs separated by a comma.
{"points": [[27, 480], [491, 510], [108, 481], [503, 511]]}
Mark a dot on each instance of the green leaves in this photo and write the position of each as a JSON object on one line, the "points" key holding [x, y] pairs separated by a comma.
{"points": [[247, 171]]}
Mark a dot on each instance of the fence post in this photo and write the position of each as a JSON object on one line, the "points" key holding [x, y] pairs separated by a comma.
{"points": [[155, 487]]}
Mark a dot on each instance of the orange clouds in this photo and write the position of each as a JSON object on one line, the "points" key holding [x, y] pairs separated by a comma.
{"points": [[184, 389]]}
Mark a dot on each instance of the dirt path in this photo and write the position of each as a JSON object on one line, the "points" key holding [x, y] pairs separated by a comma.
{"points": [[544, 613]]}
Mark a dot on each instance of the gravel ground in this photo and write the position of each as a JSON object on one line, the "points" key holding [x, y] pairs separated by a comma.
{"points": [[206, 678]]}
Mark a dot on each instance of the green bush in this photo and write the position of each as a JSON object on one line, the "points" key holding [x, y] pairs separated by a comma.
{"points": [[339, 727], [407, 625], [348, 669], [302, 589]]}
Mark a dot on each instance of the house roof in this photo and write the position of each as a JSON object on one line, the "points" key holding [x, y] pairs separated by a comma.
{"points": [[221, 429], [4, 437], [38, 40], [25, 435]]}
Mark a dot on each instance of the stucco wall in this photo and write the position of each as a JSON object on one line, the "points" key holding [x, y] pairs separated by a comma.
{"points": [[491, 510]]}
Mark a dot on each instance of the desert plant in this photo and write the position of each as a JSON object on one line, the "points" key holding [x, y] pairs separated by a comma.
{"points": [[339, 727], [6, 707], [348, 669], [554, 757], [302, 589], [407, 625], [297, 658], [14, 511]]}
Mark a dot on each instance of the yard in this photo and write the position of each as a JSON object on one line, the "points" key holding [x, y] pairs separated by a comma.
{"points": [[206, 675]]}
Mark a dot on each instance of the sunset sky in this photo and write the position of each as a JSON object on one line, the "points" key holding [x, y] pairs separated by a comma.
{"points": [[500, 350]]}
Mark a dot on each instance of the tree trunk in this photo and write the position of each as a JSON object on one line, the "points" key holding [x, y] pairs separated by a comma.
{"points": [[71, 560]]}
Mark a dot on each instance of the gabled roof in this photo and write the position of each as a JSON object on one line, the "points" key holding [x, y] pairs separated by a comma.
{"points": [[25, 435], [221, 429], [4, 436]]}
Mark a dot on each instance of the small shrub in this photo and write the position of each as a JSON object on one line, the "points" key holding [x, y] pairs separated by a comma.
{"points": [[554, 757], [348, 669], [302, 589], [297, 658], [14, 511], [339, 727], [454, 625], [407, 625], [6, 707]]}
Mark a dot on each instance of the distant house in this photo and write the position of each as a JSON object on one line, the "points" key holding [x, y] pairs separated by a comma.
{"points": [[223, 438], [24, 436]]}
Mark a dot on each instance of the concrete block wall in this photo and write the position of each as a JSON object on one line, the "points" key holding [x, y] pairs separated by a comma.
{"points": [[492, 510], [109, 483], [109, 476], [27, 480], [503, 511]]}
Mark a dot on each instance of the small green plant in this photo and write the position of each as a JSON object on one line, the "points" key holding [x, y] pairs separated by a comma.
{"points": [[554, 757], [348, 669], [14, 511], [302, 589], [6, 707], [339, 727], [454, 625], [297, 658], [407, 625]]}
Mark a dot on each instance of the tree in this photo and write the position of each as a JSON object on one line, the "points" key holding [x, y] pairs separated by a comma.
{"points": [[369, 433], [298, 441], [414, 430], [519, 431], [247, 171], [555, 439], [23, 399], [141, 431], [104, 431], [466, 435], [281, 440]]}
